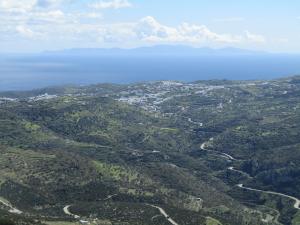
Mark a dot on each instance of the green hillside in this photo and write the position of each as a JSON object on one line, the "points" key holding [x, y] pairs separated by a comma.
{"points": [[116, 154]]}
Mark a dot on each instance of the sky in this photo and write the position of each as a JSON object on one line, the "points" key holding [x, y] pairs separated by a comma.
{"points": [[39, 25]]}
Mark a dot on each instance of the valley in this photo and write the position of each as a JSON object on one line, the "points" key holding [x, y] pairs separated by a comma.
{"points": [[166, 152]]}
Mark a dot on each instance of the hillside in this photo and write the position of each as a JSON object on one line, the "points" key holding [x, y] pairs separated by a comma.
{"points": [[152, 153]]}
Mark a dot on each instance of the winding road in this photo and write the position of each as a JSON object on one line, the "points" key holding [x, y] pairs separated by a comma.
{"points": [[66, 209], [297, 201], [163, 212], [193, 122], [239, 171], [224, 155], [11, 208], [67, 212]]}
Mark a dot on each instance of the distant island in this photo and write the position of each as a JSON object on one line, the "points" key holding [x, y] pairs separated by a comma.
{"points": [[157, 49], [83, 66]]}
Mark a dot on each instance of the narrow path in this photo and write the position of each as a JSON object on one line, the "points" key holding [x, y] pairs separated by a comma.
{"points": [[239, 171], [297, 201], [9, 205], [67, 212], [163, 212], [195, 123], [227, 156], [110, 197]]}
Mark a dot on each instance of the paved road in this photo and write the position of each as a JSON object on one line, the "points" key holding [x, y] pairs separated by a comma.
{"points": [[109, 197], [11, 208], [67, 212], [239, 171], [163, 212], [297, 201], [227, 156], [196, 123]]}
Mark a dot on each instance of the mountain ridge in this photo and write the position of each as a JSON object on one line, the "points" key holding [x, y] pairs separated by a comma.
{"points": [[157, 49]]}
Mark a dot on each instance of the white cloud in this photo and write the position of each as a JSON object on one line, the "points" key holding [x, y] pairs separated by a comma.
{"points": [[48, 3], [148, 29], [256, 38], [54, 24], [200, 33], [282, 40], [114, 4], [52, 16], [16, 5], [28, 5], [26, 32], [230, 19], [93, 15]]}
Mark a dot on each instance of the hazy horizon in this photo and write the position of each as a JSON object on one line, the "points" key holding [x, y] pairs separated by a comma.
{"points": [[80, 67], [57, 42], [147, 47]]}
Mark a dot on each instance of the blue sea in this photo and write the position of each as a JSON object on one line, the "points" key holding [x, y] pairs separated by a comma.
{"points": [[23, 72]]}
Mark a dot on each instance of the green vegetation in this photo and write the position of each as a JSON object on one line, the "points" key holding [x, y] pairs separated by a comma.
{"points": [[296, 220], [212, 221], [112, 151]]}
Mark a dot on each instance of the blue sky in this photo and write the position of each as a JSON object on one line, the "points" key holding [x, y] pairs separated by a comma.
{"points": [[37, 25]]}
